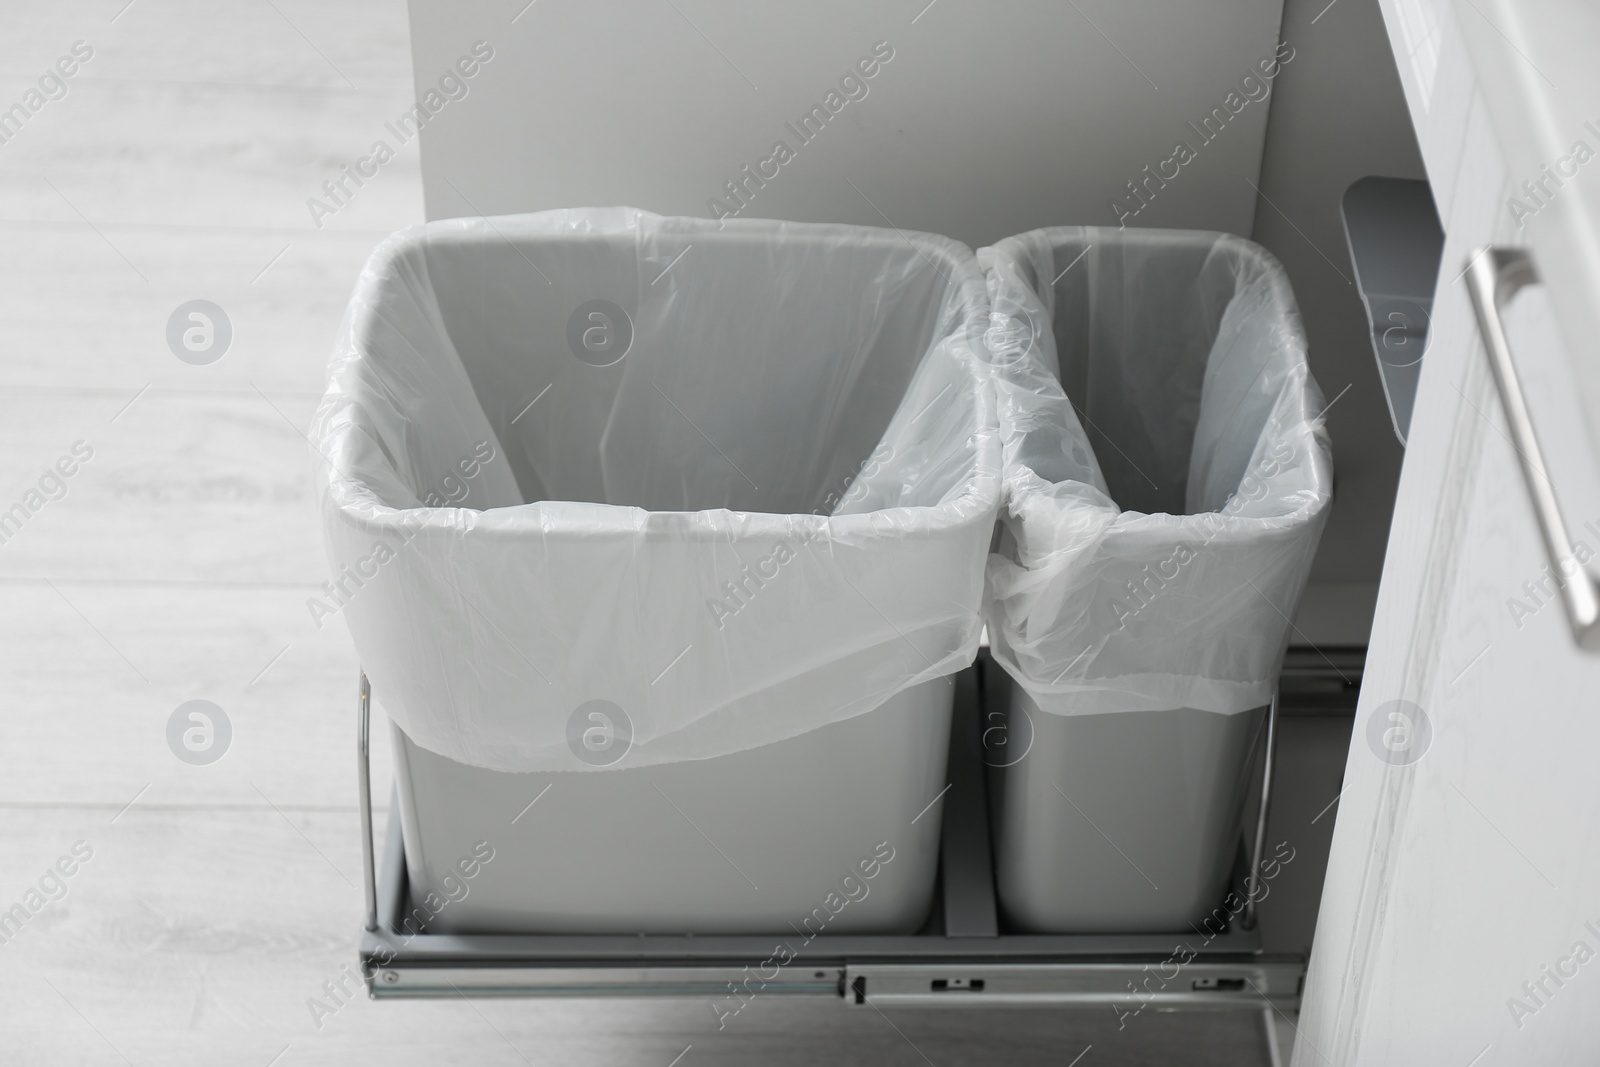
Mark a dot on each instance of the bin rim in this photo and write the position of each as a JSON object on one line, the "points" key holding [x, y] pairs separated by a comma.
{"points": [[1020, 479], [974, 502]]}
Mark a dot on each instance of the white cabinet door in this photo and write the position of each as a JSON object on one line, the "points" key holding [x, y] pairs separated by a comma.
{"points": [[1460, 922]]}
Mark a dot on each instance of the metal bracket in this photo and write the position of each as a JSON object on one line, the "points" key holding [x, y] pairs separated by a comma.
{"points": [[364, 784], [1259, 847]]}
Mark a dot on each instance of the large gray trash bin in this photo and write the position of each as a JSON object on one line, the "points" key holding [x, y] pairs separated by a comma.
{"points": [[1166, 481], [682, 522]]}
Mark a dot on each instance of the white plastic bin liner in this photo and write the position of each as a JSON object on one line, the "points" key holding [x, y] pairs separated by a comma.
{"points": [[736, 482], [1157, 539]]}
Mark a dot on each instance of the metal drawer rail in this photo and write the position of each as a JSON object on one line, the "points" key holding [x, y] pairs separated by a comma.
{"points": [[962, 958]]}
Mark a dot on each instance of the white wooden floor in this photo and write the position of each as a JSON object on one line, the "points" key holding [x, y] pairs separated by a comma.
{"points": [[219, 899]]}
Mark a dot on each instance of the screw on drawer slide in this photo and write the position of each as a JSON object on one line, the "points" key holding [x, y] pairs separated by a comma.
{"points": [[1219, 985]]}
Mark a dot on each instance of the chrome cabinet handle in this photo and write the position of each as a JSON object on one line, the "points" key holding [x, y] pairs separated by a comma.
{"points": [[1494, 276]]}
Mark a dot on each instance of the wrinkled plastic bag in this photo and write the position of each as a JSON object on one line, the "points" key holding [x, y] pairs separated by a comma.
{"points": [[1159, 525], [698, 488]]}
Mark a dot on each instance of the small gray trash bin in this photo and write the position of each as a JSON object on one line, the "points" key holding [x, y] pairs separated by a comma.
{"points": [[1167, 477]]}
